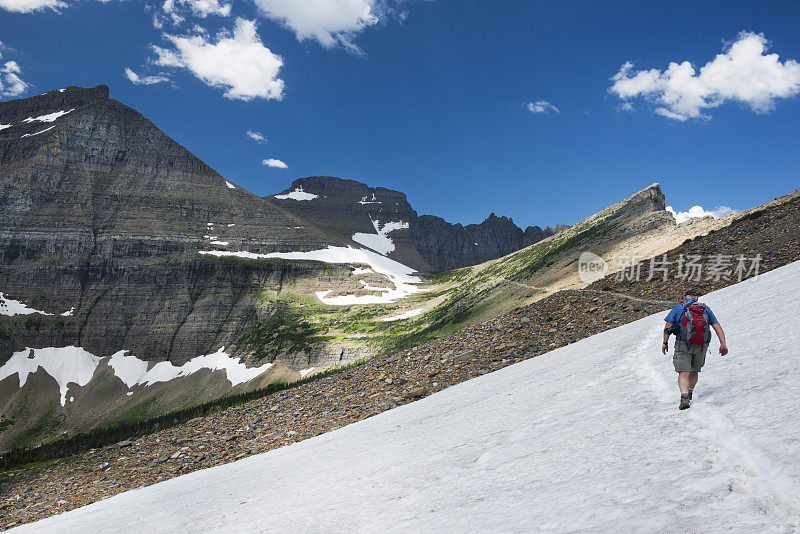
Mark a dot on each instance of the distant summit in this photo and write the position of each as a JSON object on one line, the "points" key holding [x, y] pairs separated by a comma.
{"points": [[383, 220]]}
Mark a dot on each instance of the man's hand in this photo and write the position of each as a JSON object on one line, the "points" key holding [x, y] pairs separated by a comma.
{"points": [[723, 349], [665, 348]]}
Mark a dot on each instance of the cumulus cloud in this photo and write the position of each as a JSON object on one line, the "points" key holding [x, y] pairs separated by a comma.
{"points": [[698, 211], [144, 80], [29, 6], [237, 62], [271, 162], [11, 82], [330, 22], [199, 8], [743, 73], [258, 137], [542, 106]]}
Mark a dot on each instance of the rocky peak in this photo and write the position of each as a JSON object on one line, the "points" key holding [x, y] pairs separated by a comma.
{"points": [[650, 199], [341, 189], [64, 99]]}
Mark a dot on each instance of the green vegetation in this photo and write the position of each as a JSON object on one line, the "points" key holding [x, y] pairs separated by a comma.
{"points": [[285, 329]]}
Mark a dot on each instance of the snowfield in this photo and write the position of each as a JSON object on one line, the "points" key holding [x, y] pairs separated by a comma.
{"points": [[586, 438]]}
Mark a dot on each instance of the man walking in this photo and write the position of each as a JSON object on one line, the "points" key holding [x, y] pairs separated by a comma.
{"points": [[691, 322]]}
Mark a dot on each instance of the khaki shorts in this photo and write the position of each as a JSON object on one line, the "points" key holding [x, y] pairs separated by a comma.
{"points": [[689, 357]]}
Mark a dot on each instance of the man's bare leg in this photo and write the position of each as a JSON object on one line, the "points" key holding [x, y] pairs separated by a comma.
{"points": [[693, 376], [684, 380]]}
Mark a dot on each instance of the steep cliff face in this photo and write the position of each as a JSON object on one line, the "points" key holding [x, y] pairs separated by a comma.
{"points": [[383, 220], [103, 214], [452, 246], [374, 217]]}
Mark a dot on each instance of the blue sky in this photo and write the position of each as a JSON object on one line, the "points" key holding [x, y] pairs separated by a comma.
{"points": [[437, 98]]}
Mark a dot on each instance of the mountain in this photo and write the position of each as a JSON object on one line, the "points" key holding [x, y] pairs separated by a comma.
{"points": [[592, 426], [383, 220], [137, 282], [105, 222], [103, 214]]}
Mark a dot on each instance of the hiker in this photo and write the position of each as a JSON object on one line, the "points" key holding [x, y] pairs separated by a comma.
{"points": [[691, 322]]}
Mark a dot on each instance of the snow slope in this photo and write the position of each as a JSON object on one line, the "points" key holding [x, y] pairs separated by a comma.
{"points": [[587, 438]]}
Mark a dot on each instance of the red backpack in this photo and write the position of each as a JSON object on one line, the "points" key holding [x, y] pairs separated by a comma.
{"points": [[695, 329]]}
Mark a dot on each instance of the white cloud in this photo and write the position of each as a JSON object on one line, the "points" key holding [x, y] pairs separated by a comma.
{"points": [[200, 8], [256, 136], [237, 62], [542, 106], [626, 106], [11, 84], [144, 80], [29, 6], [743, 73], [698, 211], [328, 21], [274, 163]]}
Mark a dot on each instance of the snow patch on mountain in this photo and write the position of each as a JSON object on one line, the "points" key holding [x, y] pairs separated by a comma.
{"points": [[406, 315], [297, 194], [12, 307], [380, 240], [127, 368], [4, 126], [230, 185], [37, 133], [50, 117], [371, 201], [67, 365], [236, 371]]}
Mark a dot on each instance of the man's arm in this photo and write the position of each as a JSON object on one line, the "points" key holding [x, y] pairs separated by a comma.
{"points": [[664, 345], [723, 347]]}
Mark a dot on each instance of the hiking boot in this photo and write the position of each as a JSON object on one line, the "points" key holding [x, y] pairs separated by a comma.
{"points": [[685, 403]]}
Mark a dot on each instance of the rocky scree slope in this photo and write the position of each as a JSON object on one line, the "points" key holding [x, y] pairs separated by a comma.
{"points": [[380, 384], [770, 232], [383, 220]]}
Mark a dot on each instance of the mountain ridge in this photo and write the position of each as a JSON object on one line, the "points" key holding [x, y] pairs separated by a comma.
{"points": [[425, 242]]}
